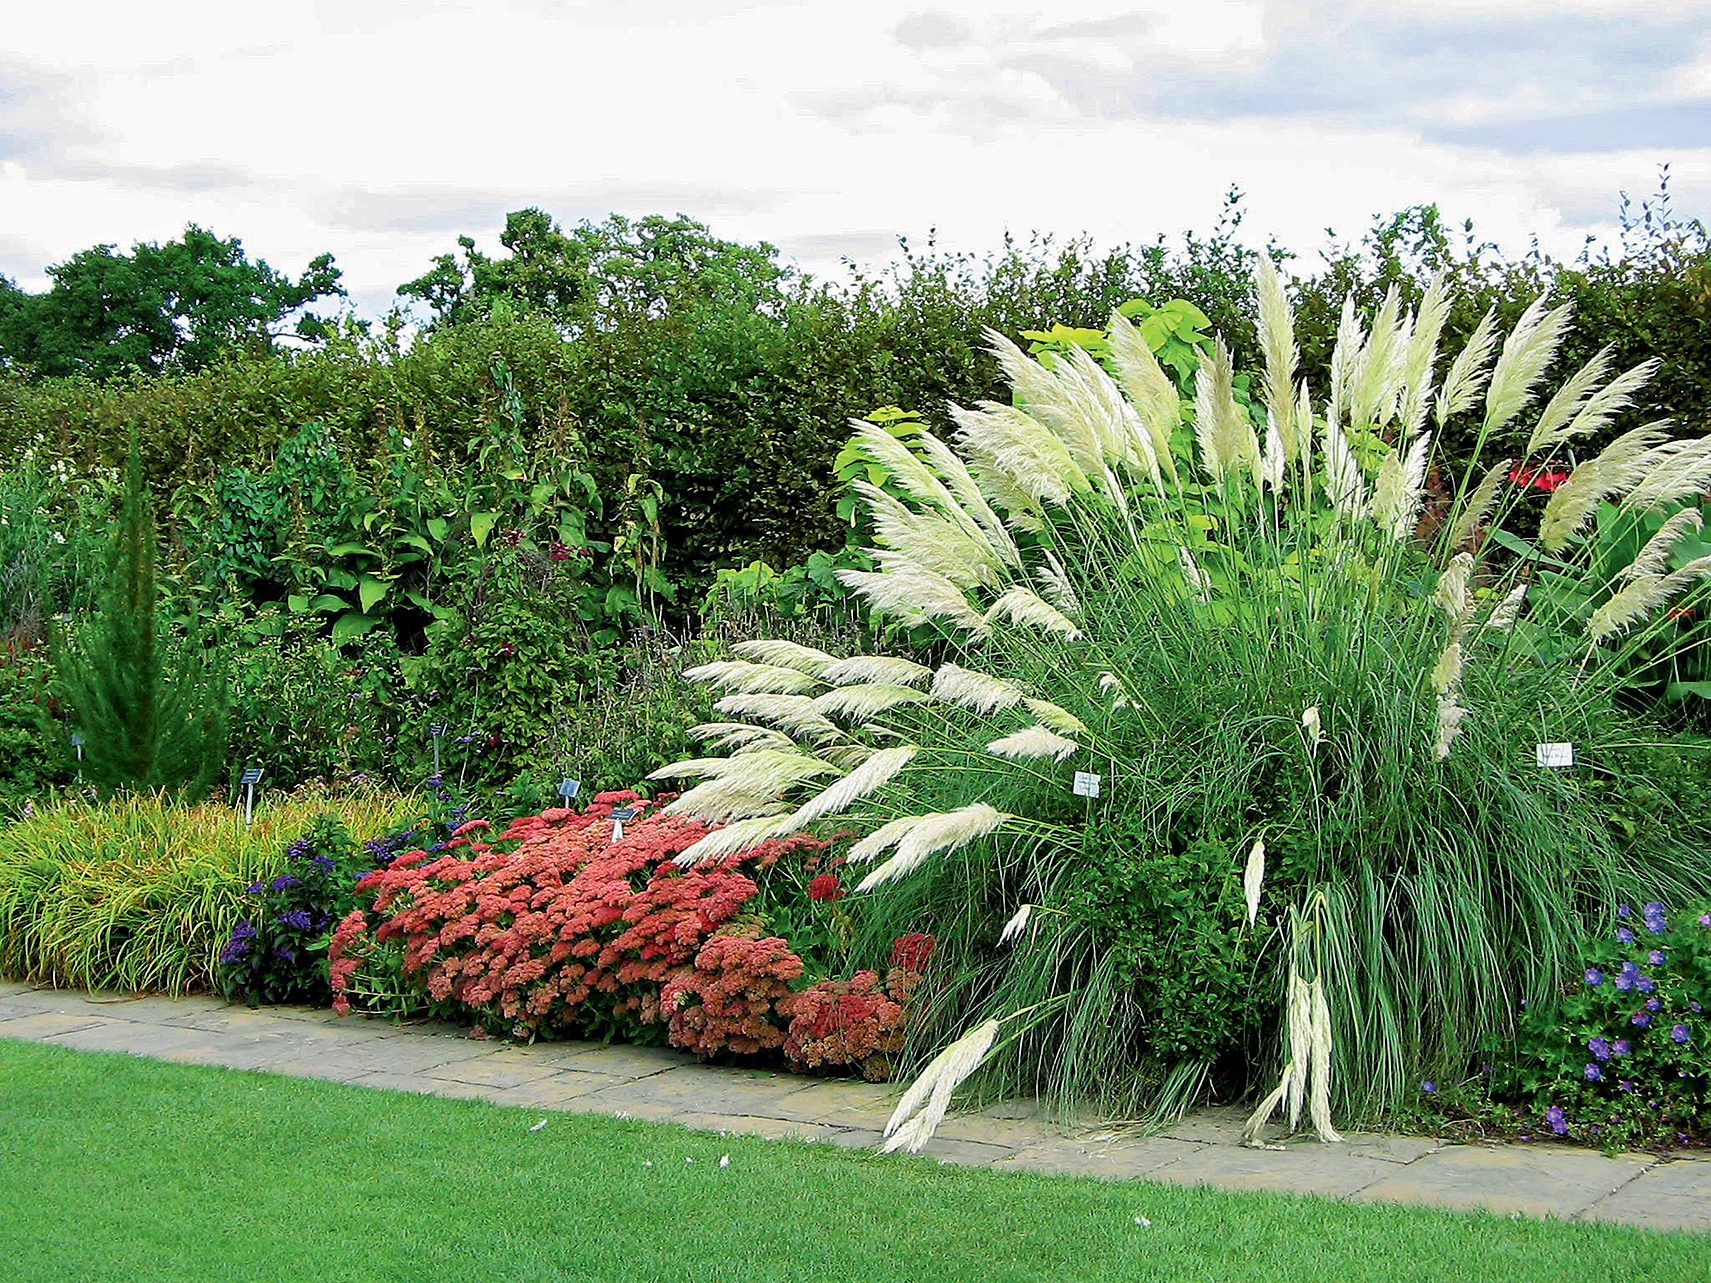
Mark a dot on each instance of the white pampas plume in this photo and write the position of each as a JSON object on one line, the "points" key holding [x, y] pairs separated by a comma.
{"points": [[1056, 582], [1016, 925], [1226, 439], [1682, 474], [752, 679], [929, 541], [1611, 400], [1252, 877], [1479, 503], [976, 691], [739, 835], [690, 768], [1451, 595], [1503, 615], [785, 654], [1374, 385], [1319, 1097], [884, 670], [1023, 449], [1277, 342], [1450, 715], [737, 735], [972, 503], [1654, 557], [1109, 685], [1059, 719], [1462, 385], [931, 1092], [1273, 460], [1530, 347], [1421, 358], [1400, 490], [1196, 578], [915, 593], [1560, 410], [1344, 358], [881, 839], [1147, 386], [1344, 483], [866, 701], [872, 775], [1022, 605], [908, 472], [1622, 464], [749, 786], [929, 835], [793, 713], [1446, 673], [1635, 603], [1310, 724], [1033, 742]]}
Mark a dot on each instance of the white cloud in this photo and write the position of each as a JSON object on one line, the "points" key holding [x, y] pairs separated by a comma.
{"points": [[382, 131]]}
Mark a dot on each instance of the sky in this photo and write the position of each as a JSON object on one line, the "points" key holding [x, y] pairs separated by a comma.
{"points": [[382, 131]]}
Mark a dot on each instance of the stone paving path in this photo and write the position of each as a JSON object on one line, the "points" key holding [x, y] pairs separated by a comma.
{"points": [[654, 1083]]}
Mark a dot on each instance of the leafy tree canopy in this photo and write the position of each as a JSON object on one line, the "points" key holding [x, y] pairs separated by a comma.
{"points": [[597, 274], [177, 305]]}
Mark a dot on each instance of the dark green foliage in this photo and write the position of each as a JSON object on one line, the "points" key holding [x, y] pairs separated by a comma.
{"points": [[152, 713], [178, 305]]}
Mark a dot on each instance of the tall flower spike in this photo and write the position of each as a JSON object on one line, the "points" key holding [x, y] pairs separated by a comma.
{"points": [[1253, 876], [1277, 342], [936, 834], [1530, 347], [1147, 386], [930, 1094], [1466, 379], [1420, 360], [1654, 557]]}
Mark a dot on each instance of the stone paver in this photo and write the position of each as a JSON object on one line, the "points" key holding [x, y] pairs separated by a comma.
{"points": [[662, 1084]]}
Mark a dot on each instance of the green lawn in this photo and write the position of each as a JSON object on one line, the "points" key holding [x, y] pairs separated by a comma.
{"points": [[119, 1168]]}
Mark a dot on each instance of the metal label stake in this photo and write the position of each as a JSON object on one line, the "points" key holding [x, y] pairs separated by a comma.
{"points": [[618, 817], [436, 729], [250, 778]]}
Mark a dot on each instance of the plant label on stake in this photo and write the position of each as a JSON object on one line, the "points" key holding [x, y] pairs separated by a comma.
{"points": [[618, 817], [1555, 756], [250, 778], [1086, 784], [568, 789], [436, 729], [77, 743]]}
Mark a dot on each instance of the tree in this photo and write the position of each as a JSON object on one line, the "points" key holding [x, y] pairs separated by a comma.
{"points": [[178, 305], [596, 275], [152, 714]]}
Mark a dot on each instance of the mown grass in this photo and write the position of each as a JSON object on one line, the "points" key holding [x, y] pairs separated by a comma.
{"points": [[140, 893], [123, 1168]]}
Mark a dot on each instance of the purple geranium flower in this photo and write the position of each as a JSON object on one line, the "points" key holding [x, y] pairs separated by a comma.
{"points": [[1599, 1047], [1679, 1034], [1645, 984], [1554, 1116], [1593, 1072], [1429, 1088], [1623, 911], [1594, 977], [1620, 1046], [285, 881], [1705, 919], [1654, 917], [1652, 1004], [1641, 1018], [1624, 1086], [1655, 957], [1625, 935]]}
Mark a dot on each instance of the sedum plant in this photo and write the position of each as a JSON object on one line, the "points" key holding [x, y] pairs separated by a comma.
{"points": [[1323, 859]]}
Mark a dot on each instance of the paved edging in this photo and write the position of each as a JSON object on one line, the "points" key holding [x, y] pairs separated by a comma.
{"points": [[670, 1086]]}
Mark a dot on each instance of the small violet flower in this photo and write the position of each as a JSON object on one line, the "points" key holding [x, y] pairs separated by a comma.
{"points": [[1599, 1047], [1594, 977], [1625, 935], [1655, 957], [1555, 1117], [1620, 1046], [1593, 1072], [1640, 1018], [1652, 1004], [1679, 1034]]}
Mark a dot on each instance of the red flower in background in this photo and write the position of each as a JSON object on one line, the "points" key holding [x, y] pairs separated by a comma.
{"points": [[1538, 478], [825, 887]]}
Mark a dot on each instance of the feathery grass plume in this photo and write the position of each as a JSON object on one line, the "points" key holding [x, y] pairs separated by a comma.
{"points": [[1273, 458], [907, 470], [1610, 400], [1192, 575], [1504, 614], [1098, 403], [1031, 384], [882, 839], [875, 773], [739, 835], [1253, 876], [748, 678], [1023, 449], [1653, 558], [1022, 510], [785, 654], [1621, 465], [1033, 742], [1021, 605], [1344, 483], [750, 786], [1319, 1095], [930, 835], [1277, 342], [1467, 375], [1450, 717], [1345, 358], [1530, 347], [1681, 475], [1147, 386], [1059, 719], [972, 505], [1477, 507], [930, 1094], [1376, 379], [1446, 673], [1559, 412], [1401, 489], [793, 713], [866, 702], [1451, 594], [1420, 360], [691, 768], [1017, 924], [978, 692], [929, 541], [913, 593], [1310, 724], [1636, 603], [1055, 580], [1225, 437], [740, 737], [888, 670]]}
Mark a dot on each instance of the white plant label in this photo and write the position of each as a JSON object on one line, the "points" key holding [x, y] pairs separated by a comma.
{"points": [[1556, 755], [1086, 784]]}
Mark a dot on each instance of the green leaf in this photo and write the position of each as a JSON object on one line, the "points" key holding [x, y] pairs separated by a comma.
{"points": [[416, 541], [437, 527], [1521, 548], [296, 603], [369, 591], [1681, 690], [352, 624], [351, 550], [481, 525], [326, 603]]}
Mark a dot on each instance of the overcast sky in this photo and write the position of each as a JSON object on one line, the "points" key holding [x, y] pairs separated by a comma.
{"points": [[380, 131]]}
